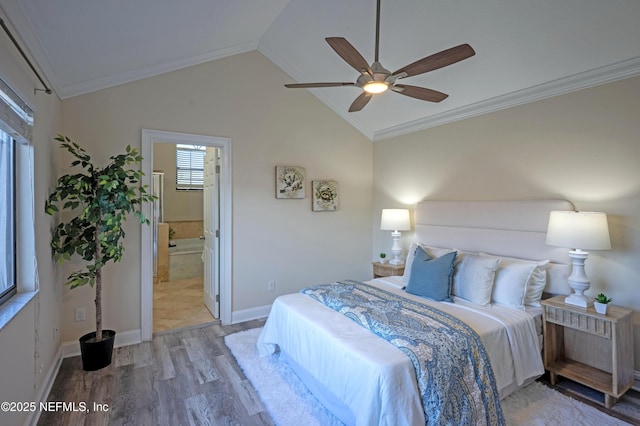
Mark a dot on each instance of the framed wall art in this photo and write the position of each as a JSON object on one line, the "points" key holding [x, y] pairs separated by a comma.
{"points": [[325, 195], [290, 182]]}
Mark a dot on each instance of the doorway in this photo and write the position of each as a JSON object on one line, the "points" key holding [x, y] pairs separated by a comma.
{"points": [[185, 242], [216, 211]]}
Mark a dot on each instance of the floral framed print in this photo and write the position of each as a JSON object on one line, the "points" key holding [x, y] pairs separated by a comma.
{"points": [[290, 182], [325, 195]]}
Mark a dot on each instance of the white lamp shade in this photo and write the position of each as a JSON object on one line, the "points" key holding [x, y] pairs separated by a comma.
{"points": [[578, 230], [395, 220]]}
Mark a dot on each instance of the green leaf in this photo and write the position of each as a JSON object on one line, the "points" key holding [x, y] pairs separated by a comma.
{"points": [[50, 209], [98, 200]]}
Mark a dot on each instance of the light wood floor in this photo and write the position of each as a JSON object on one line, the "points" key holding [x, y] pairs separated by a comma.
{"points": [[179, 304], [189, 377]]}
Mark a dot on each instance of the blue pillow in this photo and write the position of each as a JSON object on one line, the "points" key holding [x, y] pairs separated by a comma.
{"points": [[431, 278]]}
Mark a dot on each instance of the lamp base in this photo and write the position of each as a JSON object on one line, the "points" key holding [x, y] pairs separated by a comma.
{"points": [[578, 280], [578, 300], [396, 250]]}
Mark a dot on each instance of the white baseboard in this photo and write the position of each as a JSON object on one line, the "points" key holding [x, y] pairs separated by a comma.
{"points": [[123, 338], [45, 388], [250, 314], [636, 385]]}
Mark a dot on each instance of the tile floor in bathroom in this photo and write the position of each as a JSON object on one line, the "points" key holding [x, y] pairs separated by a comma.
{"points": [[179, 304]]}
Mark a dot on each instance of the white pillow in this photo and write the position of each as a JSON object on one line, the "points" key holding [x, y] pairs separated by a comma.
{"points": [[537, 283], [510, 285], [474, 276], [557, 276], [519, 275], [433, 252]]}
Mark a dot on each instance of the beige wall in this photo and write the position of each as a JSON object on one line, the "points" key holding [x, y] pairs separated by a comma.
{"points": [[241, 98], [583, 146], [30, 343], [178, 205]]}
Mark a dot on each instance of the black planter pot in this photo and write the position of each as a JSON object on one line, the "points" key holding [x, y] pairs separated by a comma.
{"points": [[96, 355]]}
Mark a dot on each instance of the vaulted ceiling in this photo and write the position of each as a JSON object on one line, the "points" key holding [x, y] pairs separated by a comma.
{"points": [[525, 49]]}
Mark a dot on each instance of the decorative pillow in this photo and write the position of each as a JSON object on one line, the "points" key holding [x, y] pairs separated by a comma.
{"points": [[431, 278], [433, 252], [510, 279], [473, 278]]}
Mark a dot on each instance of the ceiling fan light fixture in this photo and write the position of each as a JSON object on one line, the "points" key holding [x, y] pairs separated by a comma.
{"points": [[376, 87], [375, 78]]}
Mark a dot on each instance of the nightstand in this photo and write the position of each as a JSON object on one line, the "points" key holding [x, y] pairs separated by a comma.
{"points": [[386, 269], [589, 348]]}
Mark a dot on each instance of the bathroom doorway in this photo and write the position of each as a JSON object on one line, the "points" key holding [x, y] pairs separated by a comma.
{"points": [[186, 281], [184, 223]]}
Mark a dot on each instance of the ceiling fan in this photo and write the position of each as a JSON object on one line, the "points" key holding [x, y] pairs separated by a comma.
{"points": [[375, 78]]}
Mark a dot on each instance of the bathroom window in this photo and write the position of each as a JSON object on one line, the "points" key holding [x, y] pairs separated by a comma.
{"points": [[7, 217], [190, 167]]}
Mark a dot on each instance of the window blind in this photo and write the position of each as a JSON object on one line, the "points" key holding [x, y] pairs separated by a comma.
{"points": [[189, 167], [15, 115]]}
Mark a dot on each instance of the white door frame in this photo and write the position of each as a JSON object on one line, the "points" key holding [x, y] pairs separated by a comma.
{"points": [[149, 137]]}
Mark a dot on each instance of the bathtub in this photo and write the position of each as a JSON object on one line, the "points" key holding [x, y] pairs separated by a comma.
{"points": [[185, 259]]}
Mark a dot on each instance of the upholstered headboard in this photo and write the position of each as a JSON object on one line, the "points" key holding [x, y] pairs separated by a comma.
{"points": [[505, 228]]}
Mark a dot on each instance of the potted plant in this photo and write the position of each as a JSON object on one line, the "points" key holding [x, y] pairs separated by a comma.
{"points": [[99, 199], [172, 233], [383, 257], [601, 303]]}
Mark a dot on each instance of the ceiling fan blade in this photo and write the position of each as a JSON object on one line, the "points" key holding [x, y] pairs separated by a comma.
{"points": [[360, 102], [311, 85], [437, 60], [349, 54], [419, 93]]}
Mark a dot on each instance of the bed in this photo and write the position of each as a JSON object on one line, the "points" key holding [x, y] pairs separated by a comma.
{"points": [[368, 378]]}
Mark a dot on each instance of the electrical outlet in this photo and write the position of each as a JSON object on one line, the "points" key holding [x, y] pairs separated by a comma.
{"points": [[80, 314], [271, 285]]}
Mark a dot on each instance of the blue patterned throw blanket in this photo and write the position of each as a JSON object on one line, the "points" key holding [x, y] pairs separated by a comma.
{"points": [[455, 378]]}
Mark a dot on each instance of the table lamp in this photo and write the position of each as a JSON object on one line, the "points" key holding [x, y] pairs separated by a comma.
{"points": [[578, 231], [395, 220]]}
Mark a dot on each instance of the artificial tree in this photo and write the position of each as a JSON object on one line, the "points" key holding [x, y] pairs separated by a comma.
{"points": [[99, 199]]}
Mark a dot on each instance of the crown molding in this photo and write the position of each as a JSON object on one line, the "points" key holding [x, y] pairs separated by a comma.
{"points": [[68, 91], [607, 74]]}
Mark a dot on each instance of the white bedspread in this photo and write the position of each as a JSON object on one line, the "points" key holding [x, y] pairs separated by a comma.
{"points": [[374, 379]]}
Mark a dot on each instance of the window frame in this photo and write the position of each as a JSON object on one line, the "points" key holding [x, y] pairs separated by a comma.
{"points": [[12, 289], [17, 120]]}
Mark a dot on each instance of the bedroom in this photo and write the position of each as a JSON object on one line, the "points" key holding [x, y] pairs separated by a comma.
{"points": [[582, 146]]}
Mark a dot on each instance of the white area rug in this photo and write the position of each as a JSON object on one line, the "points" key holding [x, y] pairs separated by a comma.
{"points": [[288, 401]]}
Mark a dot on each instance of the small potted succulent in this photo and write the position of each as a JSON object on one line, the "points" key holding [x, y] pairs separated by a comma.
{"points": [[383, 257], [601, 303]]}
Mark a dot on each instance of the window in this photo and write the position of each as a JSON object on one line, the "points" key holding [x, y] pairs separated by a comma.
{"points": [[7, 217], [17, 218], [190, 167]]}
